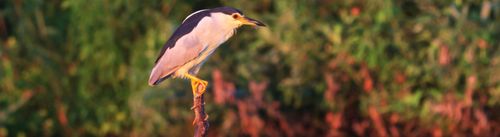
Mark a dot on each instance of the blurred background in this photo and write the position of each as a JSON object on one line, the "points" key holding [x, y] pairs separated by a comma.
{"points": [[320, 68]]}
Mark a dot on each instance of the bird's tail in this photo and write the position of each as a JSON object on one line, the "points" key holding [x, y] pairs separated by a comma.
{"points": [[158, 75]]}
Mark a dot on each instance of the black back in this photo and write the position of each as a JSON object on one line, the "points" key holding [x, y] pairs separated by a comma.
{"points": [[190, 23]]}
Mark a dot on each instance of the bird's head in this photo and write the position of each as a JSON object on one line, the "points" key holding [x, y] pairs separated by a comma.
{"points": [[234, 17]]}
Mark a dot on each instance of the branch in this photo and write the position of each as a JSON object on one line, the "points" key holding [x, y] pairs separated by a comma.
{"points": [[200, 120]]}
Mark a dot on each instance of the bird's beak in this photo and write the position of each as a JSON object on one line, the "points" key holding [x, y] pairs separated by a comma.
{"points": [[251, 22]]}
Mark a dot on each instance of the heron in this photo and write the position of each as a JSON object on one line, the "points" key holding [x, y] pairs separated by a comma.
{"points": [[194, 41]]}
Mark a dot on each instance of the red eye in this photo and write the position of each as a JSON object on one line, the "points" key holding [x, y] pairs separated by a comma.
{"points": [[235, 16]]}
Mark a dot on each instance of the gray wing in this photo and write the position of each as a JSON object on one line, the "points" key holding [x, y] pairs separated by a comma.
{"points": [[186, 49], [187, 26]]}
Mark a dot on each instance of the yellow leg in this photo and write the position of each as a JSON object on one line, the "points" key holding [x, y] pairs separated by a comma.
{"points": [[195, 82]]}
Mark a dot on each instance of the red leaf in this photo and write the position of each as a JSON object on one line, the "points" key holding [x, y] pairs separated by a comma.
{"points": [[355, 11], [377, 121], [444, 55], [368, 85]]}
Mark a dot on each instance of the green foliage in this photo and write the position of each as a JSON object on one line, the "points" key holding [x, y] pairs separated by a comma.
{"points": [[80, 68]]}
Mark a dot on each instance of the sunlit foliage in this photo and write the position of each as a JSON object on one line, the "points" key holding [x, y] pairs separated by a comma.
{"points": [[321, 67]]}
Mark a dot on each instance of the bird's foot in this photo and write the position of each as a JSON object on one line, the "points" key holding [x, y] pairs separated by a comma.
{"points": [[198, 86]]}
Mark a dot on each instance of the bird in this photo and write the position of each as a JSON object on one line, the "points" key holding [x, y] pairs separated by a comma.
{"points": [[194, 41]]}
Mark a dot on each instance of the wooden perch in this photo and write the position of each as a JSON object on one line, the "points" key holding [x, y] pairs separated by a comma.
{"points": [[200, 120]]}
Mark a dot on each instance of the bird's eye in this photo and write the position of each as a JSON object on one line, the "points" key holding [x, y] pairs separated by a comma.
{"points": [[235, 16]]}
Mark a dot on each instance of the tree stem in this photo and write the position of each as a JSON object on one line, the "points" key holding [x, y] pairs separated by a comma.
{"points": [[200, 120]]}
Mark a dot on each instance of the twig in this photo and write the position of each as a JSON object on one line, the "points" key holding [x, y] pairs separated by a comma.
{"points": [[200, 120]]}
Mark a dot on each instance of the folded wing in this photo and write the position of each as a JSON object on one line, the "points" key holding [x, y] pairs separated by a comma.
{"points": [[186, 49]]}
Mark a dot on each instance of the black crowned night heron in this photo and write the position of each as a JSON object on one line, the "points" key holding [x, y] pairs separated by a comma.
{"points": [[194, 41]]}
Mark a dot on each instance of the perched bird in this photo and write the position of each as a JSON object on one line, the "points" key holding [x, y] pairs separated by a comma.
{"points": [[194, 41]]}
